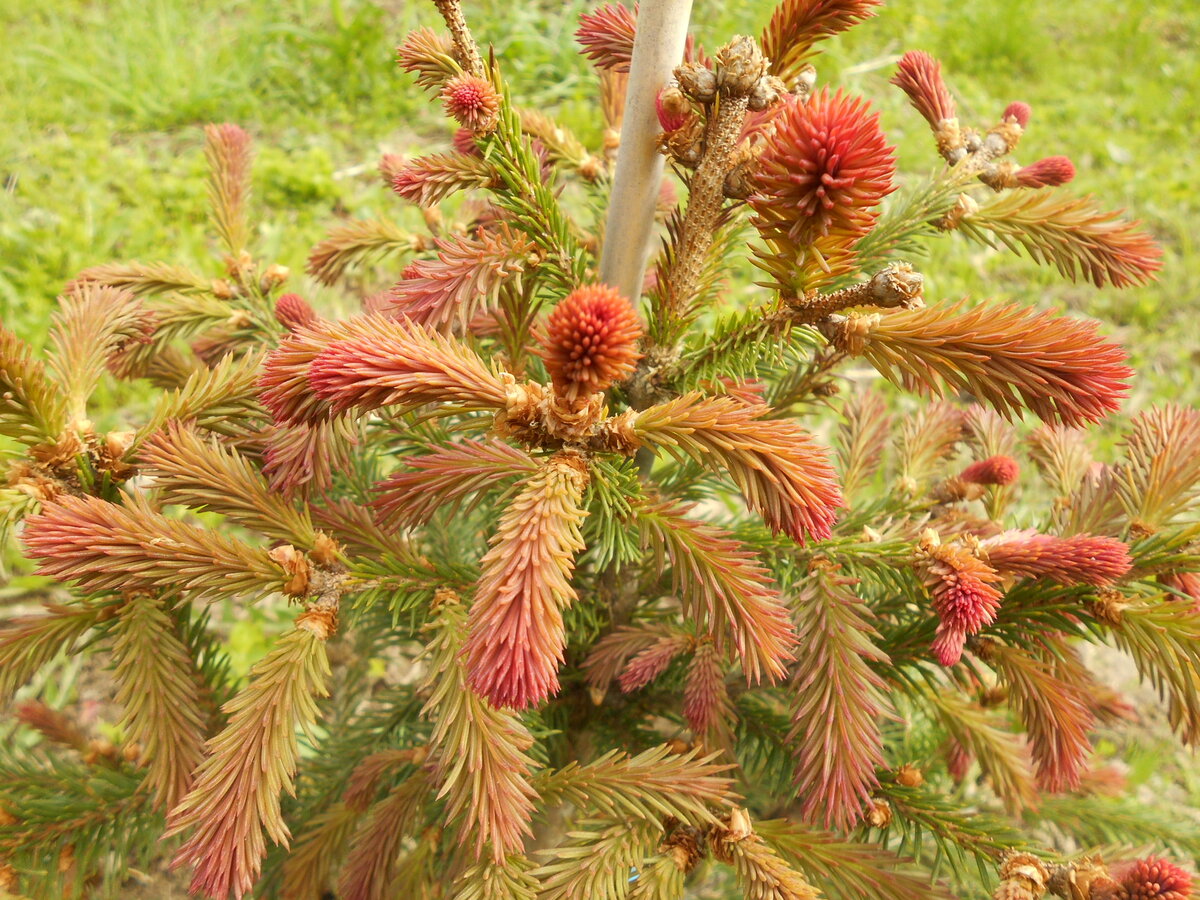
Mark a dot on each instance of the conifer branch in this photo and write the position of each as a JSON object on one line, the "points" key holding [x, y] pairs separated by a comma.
{"points": [[846, 870], [370, 866], [862, 438], [91, 326], [838, 700], [317, 852], [29, 642], [595, 862], [796, 25], [203, 474], [441, 480], [1010, 357], [1001, 757], [358, 242], [235, 796], [80, 538], [32, 407], [512, 879], [777, 466], [1056, 713], [429, 180], [1161, 478], [480, 759], [1071, 232], [721, 585], [464, 280], [207, 396], [159, 689], [654, 785], [227, 149], [517, 637], [142, 279], [1163, 639], [402, 364], [762, 873]]}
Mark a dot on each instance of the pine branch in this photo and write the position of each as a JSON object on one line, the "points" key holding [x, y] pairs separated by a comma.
{"points": [[595, 862], [780, 470], [401, 364], [208, 396], [607, 36], [302, 458], [32, 407], [796, 25], [845, 870], [142, 279], [1001, 756], [29, 642], [926, 439], [480, 759], [356, 243], [80, 538], [1071, 232], [369, 869], [721, 585], [227, 149], [654, 785], [159, 689], [517, 637], [1010, 357], [1062, 457], [862, 438], [203, 474], [1161, 479], [429, 180], [512, 879], [838, 700], [441, 480], [1056, 713], [317, 853], [1163, 639], [235, 796], [926, 821], [761, 872], [465, 279], [76, 827]]}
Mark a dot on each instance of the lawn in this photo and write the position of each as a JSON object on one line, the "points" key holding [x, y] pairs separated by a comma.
{"points": [[103, 104]]}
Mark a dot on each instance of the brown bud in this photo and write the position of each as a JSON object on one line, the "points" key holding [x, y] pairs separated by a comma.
{"points": [[697, 81], [766, 93], [325, 550], [296, 565], [8, 878], [740, 66], [879, 814], [909, 776], [274, 276]]}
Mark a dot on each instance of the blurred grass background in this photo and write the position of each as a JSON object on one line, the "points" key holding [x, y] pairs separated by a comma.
{"points": [[102, 105]]}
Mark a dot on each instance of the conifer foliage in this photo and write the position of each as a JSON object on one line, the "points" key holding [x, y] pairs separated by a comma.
{"points": [[568, 595]]}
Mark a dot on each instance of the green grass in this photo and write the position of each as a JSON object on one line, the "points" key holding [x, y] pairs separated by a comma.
{"points": [[102, 106]]}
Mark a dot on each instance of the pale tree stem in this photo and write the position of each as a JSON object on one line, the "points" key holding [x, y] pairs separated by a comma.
{"points": [[657, 50]]}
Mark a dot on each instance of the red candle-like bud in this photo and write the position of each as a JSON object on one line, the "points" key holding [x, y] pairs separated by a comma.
{"points": [[590, 341], [292, 311], [962, 589], [919, 75], [1018, 112], [823, 171], [472, 102], [993, 470], [1154, 878], [1048, 172]]}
